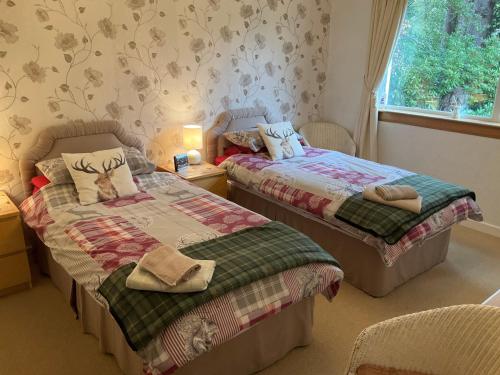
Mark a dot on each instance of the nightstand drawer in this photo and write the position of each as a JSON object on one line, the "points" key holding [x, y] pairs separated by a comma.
{"points": [[14, 270], [11, 235], [215, 184]]}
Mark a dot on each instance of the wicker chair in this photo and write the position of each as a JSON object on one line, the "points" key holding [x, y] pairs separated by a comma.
{"points": [[458, 340], [329, 136]]}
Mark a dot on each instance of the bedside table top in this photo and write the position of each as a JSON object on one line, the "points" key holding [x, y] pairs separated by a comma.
{"points": [[7, 207], [195, 172]]}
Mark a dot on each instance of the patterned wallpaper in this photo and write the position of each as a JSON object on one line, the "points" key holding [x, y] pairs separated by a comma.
{"points": [[154, 65]]}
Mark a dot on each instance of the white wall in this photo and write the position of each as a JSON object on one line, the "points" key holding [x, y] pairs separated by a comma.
{"points": [[463, 159], [347, 63]]}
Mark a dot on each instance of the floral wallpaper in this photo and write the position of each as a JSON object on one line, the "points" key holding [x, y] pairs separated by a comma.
{"points": [[154, 65]]}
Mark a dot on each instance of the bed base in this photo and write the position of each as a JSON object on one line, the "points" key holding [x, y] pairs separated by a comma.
{"points": [[252, 351], [361, 263]]}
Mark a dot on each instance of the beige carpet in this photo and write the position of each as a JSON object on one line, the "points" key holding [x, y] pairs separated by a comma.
{"points": [[39, 335]]}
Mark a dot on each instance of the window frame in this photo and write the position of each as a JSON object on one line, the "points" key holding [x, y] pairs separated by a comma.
{"points": [[468, 119], [494, 119], [444, 123]]}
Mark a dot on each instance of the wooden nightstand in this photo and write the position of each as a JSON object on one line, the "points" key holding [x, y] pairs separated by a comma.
{"points": [[205, 175], [14, 266]]}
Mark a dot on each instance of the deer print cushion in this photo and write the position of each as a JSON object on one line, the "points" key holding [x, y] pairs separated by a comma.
{"points": [[57, 173], [281, 140], [101, 175]]}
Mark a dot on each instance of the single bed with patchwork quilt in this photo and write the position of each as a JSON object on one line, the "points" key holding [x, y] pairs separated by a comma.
{"points": [[261, 291], [320, 193]]}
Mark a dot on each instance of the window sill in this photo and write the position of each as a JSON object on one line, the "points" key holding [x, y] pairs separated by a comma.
{"points": [[463, 126]]}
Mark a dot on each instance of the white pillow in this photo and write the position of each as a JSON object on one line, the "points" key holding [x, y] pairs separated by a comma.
{"points": [[281, 140], [101, 175]]}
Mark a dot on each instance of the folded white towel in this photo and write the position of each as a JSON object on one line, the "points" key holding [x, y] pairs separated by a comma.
{"points": [[141, 279], [413, 205], [169, 265], [396, 192]]}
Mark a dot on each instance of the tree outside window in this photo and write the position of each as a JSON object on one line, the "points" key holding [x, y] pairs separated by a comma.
{"points": [[447, 58]]}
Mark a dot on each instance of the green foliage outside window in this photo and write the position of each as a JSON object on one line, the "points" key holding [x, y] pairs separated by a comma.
{"points": [[447, 55]]}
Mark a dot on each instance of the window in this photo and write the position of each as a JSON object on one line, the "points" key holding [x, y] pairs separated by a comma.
{"points": [[446, 60]]}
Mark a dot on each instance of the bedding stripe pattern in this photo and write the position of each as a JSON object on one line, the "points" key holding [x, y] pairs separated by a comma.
{"points": [[242, 258]]}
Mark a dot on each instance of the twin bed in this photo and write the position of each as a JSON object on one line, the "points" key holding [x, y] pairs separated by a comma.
{"points": [[83, 247], [307, 192]]}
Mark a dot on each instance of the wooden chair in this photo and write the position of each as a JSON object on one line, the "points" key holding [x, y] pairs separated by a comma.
{"points": [[458, 340], [328, 136]]}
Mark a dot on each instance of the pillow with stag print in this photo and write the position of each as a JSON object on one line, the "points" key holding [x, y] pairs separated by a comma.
{"points": [[101, 175], [246, 138], [56, 172], [281, 140]]}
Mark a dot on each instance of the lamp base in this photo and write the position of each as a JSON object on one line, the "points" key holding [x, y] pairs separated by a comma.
{"points": [[194, 157]]}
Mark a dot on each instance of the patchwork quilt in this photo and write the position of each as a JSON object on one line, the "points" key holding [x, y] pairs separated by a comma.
{"points": [[91, 242], [242, 257], [322, 181]]}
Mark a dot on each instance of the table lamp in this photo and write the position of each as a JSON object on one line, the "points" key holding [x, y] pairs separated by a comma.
{"points": [[193, 141]]}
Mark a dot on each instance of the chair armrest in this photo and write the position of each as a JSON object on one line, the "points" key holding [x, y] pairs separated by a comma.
{"points": [[457, 340]]}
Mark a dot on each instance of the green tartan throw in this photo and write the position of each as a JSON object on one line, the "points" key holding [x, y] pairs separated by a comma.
{"points": [[242, 258], [392, 223]]}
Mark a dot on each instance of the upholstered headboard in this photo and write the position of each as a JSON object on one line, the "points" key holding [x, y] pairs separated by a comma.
{"points": [[233, 120], [73, 137]]}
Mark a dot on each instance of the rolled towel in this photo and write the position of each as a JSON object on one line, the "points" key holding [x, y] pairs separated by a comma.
{"points": [[169, 265], [396, 192], [141, 279], [413, 205]]}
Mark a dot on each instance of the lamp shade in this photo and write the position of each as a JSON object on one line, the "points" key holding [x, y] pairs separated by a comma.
{"points": [[193, 137]]}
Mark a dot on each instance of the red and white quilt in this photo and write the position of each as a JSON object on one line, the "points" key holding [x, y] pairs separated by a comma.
{"points": [[320, 181], [90, 242]]}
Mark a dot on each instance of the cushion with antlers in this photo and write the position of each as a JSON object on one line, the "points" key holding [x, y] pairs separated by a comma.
{"points": [[101, 175], [281, 140], [55, 169]]}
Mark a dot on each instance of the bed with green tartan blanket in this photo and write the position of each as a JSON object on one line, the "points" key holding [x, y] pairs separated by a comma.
{"points": [[242, 258], [92, 242], [392, 223], [327, 185]]}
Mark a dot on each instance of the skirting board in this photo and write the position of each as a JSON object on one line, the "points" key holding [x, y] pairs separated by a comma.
{"points": [[483, 227]]}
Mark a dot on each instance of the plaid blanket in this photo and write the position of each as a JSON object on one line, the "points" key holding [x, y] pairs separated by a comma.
{"points": [[242, 258], [392, 223]]}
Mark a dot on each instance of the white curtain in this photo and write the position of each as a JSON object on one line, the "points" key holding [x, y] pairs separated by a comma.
{"points": [[386, 19]]}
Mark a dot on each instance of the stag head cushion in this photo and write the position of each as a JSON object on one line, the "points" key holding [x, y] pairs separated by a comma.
{"points": [[281, 140], [246, 138], [57, 173], [101, 175]]}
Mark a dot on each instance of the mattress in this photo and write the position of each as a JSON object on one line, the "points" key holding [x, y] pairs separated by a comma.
{"points": [[319, 182], [90, 242]]}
